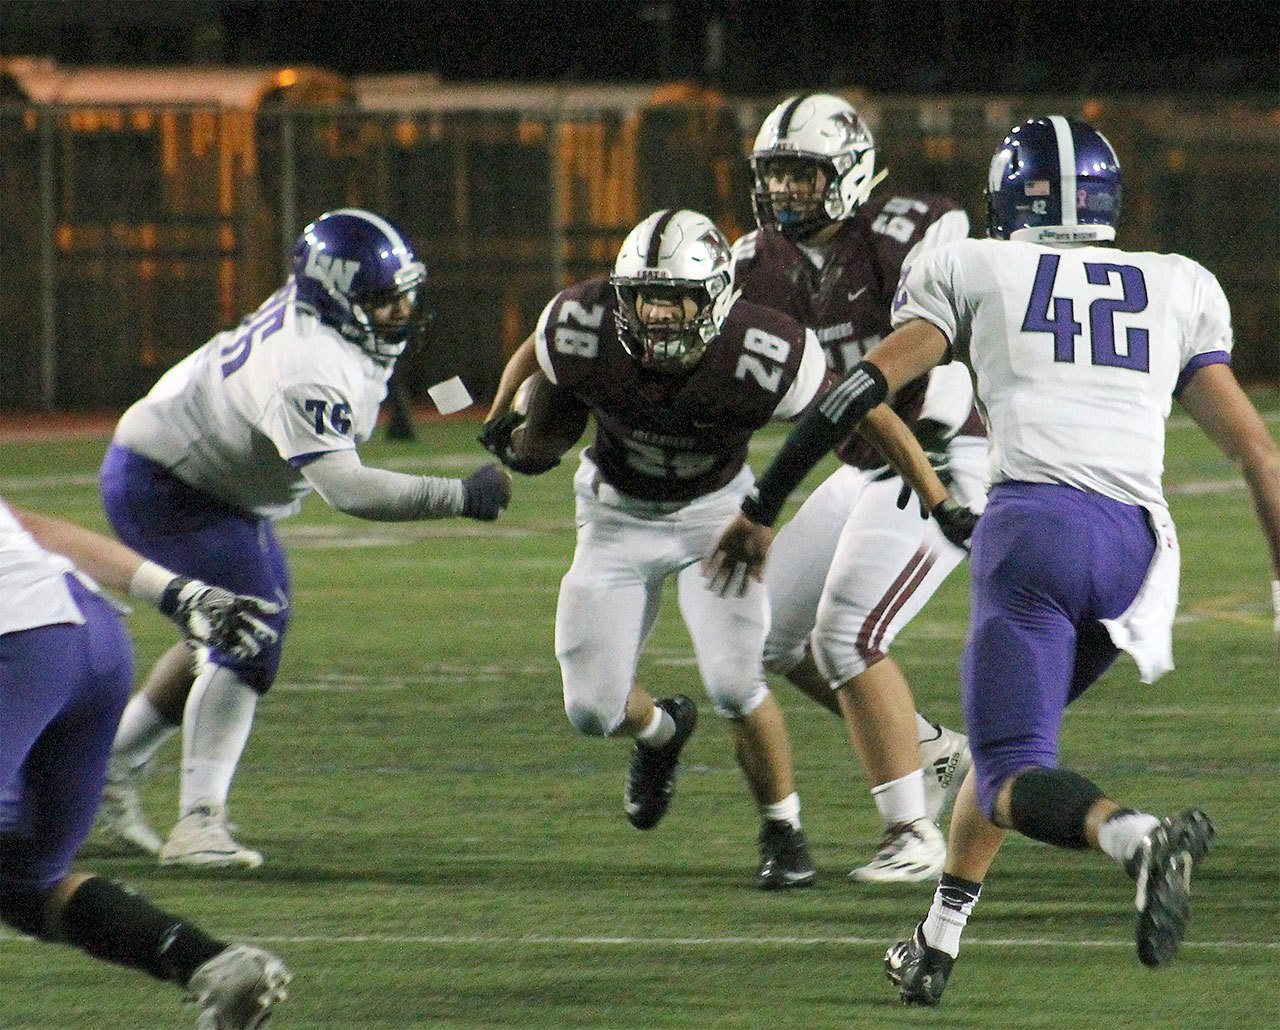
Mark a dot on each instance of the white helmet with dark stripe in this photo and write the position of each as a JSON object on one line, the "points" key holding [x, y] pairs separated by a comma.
{"points": [[676, 253], [826, 132]]}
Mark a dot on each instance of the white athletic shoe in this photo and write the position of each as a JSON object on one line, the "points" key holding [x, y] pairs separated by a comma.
{"points": [[202, 839], [120, 824], [945, 761], [908, 853], [238, 988]]}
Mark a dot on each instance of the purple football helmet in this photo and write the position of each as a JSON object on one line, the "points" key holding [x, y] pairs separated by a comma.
{"points": [[1054, 180], [349, 266]]}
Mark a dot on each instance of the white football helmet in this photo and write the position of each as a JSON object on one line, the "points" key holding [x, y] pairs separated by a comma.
{"points": [[823, 129], [680, 253]]}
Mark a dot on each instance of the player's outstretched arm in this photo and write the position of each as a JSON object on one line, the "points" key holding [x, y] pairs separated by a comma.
{"points": [[1214, 399], [206, 614], [381, 495], [905, 354]]}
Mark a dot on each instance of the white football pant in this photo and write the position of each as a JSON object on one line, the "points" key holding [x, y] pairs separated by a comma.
{"points": [[610, 597], [851, 569]]}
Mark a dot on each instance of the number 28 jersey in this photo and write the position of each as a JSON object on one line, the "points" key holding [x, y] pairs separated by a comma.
{"points": [[1076, 353], [240, 417], [676, 438]]}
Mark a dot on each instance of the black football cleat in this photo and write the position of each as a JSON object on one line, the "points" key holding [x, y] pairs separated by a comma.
{"points": [[784, 857], [1162, 866], [917, 970], [651, 774]]}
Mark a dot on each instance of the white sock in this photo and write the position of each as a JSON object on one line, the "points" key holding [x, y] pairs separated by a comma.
{"points": [[785, 811], [215, 729], [925, 730], [661, 729], [142, 731], [901, 800], [1121, 834], [953, 903]]}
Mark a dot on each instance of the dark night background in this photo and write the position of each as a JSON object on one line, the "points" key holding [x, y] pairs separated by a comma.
{"points": [[742, 46]]}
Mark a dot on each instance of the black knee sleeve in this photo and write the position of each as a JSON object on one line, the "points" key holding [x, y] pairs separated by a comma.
{"points": [[118, 925], [24, 911], [1050, 805]]}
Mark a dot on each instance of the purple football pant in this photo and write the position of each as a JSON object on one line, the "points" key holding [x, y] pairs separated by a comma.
{"points": [[1048, 562], [62, 689], [192, 533]]}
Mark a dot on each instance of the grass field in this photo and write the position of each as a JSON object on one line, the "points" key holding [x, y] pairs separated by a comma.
{"points": [[443, 850]]}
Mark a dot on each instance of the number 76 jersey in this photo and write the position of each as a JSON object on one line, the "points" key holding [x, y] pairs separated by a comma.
{"points": [[1076, 353], [674, 438]]}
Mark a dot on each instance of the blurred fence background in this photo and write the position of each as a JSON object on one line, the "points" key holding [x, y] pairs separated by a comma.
{"points": [[140, 212]]}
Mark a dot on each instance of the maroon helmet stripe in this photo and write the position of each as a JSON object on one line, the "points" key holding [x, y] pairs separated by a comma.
{"points": [[655, 241], [784, 123]]}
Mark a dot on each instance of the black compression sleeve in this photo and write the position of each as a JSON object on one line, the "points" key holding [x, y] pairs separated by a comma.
{"points": [[826, 424]]}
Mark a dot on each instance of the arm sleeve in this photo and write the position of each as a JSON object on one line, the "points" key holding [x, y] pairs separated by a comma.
{"points": [[826, 424], [378, 494]]}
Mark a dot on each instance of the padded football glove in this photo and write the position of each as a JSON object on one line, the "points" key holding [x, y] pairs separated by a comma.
{"points": [[495, 437], [218, 618], [486, 493], [956, 522]]}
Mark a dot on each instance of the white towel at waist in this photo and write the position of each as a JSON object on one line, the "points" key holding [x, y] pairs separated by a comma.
{"points": [[1145, 628]]}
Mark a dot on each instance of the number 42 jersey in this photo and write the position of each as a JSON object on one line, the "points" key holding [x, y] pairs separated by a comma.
{"points": [[675, 438], [1076, 353]]}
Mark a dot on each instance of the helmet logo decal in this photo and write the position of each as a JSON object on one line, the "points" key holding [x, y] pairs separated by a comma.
{"points": [[336, 273], [715, 243]]}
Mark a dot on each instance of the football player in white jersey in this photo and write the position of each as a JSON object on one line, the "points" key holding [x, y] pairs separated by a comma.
{"points": [[66, 670], [679, 373], [230, 440], [1077, 350], [859, 560]]}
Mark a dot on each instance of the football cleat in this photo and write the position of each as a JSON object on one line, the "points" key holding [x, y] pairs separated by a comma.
{"points": [[651, 774], [784, 857], [1162, 866], [917, 970], [120, 824], [238, 988], [202, 840], [909, 852], [945, 760]]}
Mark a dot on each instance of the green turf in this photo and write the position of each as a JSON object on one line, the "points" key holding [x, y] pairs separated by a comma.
{"points": [[443, 850]]}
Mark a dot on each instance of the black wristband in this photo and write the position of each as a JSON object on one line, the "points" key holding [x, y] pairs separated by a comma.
{"points": [[821, 429]]}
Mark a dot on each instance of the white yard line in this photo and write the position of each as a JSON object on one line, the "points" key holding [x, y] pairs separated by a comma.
{"points": [[540, 940]]}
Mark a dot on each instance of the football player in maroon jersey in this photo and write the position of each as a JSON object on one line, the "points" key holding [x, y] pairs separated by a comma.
{"points": [[860, 558], [678, 372]]}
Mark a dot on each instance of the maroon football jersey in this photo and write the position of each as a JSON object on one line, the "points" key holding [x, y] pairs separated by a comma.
{"points": [[662, 437], [847, 301]]}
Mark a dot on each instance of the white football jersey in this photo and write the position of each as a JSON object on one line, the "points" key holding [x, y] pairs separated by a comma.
{"points": [[32, 589], [1076, 353], [240, 417]]}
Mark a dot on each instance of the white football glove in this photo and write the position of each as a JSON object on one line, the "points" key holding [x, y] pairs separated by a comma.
{"points": [[218, 618]]}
